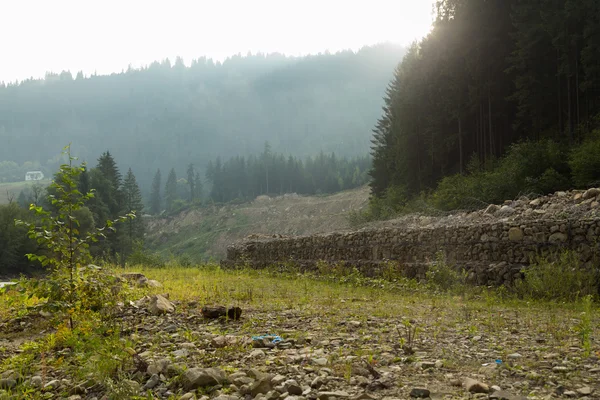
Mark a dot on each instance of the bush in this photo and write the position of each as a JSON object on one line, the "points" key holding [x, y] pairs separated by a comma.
{"points": [[442, 276], [563, 279], [528, 168], [585, 162]]}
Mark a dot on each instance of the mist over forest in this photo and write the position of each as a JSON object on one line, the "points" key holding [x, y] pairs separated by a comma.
{"points": [[168, 115]]}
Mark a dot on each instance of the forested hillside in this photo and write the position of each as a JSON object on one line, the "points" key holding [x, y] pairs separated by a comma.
{"points": [[168, 115], [492, 74]]}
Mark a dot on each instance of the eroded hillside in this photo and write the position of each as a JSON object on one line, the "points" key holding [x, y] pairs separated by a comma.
{"points": [[206, 232]]}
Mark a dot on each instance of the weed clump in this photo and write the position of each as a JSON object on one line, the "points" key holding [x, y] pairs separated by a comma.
{"points": [[560, 279]]}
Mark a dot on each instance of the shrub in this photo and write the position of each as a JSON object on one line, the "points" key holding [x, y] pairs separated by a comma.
{"points": [[585, 162], [442, 276], [528, 167], [563, 279]]}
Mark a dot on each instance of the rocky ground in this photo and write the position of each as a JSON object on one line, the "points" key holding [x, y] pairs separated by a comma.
{"points": [[337, 342], [576, 204]]}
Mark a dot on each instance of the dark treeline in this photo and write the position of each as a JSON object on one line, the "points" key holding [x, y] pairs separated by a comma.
{"points": [[490, 74], [113, 196], [241, 178], [169, 115]]}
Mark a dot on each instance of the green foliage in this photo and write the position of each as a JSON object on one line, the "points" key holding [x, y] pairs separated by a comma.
{"points": [[454, 98], [584, 328], [242, 178], [14, 243], [528, 168], [141, 256], [585, 162], [560, 279], [72, 285], [442, 276]]}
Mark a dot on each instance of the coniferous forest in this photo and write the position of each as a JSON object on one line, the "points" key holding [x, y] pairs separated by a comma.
{"points": [[501, 98], [169, 114]]}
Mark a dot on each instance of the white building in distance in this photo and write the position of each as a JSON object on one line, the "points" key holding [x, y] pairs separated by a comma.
{"points": [[34, 176]]}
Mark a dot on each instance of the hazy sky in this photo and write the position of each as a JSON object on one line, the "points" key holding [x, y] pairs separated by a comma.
{"points": [[106, 36]]}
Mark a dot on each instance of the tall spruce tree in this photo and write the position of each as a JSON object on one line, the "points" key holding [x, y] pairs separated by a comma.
{"points": [[155, 198], [198, 185], [132, 203], [191, 179], [171, 190]]}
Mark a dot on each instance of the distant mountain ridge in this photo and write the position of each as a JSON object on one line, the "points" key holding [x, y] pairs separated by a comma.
{"points": [[168, 115]]}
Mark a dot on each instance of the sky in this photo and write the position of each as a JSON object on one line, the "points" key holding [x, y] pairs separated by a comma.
{"points": [[106, 36]]}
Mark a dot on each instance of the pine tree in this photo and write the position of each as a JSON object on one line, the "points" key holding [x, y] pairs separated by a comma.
{"points": [[191, 182], [198, 185], [109, 189], [132, 203], [171, 190], [155, 194]]}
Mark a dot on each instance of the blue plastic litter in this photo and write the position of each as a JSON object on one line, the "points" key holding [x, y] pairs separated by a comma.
{"points": [[273, 338], [498, 361]]}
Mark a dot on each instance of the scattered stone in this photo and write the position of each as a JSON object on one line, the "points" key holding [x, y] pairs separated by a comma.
{"points": [[420, 393], [277, 380], [585, 391], [504, 395], [570, 393], [151, 383], [591, 193], [153, 284], [160, 305], [514, 356], [363, 396], [36, 381], [188, 396], [505, 211], [213, 312], [292, 387], [328, 395], [560, 368], [53, 384], [474, 386], [262, 385], [201, 377], [491, 209], [320, 361], [258, 353], [317, 382]]}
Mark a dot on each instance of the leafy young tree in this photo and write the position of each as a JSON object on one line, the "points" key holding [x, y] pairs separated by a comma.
{"points": [[72, 287]]}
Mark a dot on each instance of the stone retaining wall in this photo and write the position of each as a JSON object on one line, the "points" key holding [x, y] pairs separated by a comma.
{"points": [[493, 253]]}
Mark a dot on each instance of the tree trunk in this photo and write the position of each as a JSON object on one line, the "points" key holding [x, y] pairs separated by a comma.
{"points": [[569, 108], [460, 146], [560, 123], [490, 122], [577, 88]]}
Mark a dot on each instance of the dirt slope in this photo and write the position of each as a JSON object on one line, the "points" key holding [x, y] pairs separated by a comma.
{"points": [[205, 233]]}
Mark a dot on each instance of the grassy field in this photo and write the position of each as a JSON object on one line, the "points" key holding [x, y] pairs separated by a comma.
{"points": [[345, 334], [14, 188]]}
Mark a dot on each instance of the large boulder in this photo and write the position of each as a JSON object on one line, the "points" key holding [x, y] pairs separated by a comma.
{"points": [[202, 377], [158, 304]]}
